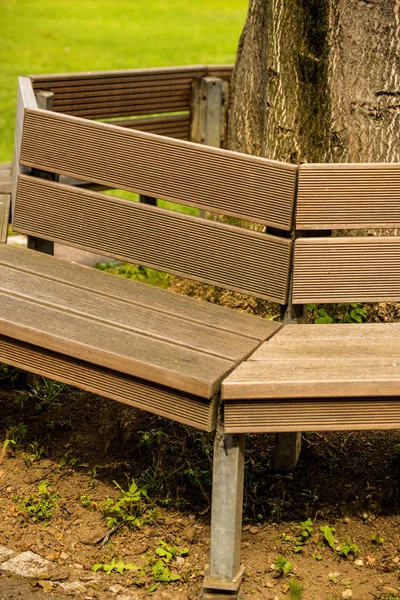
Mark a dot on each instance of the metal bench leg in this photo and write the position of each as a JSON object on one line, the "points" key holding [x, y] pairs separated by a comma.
{"points": [[225, 573]]}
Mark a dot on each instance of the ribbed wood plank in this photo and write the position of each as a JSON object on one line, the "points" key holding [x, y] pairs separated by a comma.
{"points": [[324, 377], [365, 269], [107, 345], [231, 257], [142, 91], [348, 196], [129, 110], [134, 293], [155, 73], [172, 404], [218, 180], [348, 414]]}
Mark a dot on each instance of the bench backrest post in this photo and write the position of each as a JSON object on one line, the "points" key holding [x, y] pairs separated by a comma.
{"points": [[45, 101], [5, 201], [208, 112], [209, 104]]}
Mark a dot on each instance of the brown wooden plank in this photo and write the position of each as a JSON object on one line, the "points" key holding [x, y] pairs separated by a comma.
{"points": [[148, 74], [5, 201], [212, 252], [142, 90], [128, 317], [327, 349], [171, 404], [348, 196], [335, 332], [151, 104], [136, 293], [364, 269], [320, 378], [154, 360], [218, 180], [348, 414]]}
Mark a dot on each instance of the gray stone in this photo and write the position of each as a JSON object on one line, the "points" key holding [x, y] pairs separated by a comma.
{"points": [[72, 586], [26, 564]]}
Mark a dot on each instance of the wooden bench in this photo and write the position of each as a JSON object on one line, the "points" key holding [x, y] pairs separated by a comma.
{"points": [[127, 341], [199, 364]]}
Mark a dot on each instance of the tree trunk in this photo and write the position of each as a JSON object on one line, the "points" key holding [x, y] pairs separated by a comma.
{"points": [[318, 81]]}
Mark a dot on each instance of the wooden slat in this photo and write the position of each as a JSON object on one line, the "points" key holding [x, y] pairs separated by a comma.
{"points": [[217, 180], [128, 110], [212, 252], [364, 269], [316, 349], [147, 74], [324, 377], [348, 196], [136, 293], [290, 334], [172, 404], [349, 414], [142, 91]]}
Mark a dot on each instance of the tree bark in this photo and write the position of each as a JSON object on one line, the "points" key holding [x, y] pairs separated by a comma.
{"points": [[318, 81]]}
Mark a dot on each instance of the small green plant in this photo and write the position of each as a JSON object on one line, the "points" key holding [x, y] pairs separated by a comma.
{"points": [[338, 313], [68, 460], [283, 566], [377, 540], [306, 530], [9, 373], [14, 436], [296, 590], [162, 573], [128, 509], [160, 568], [118, 566], [40, 505], [345, 548], [35, 454], [43, 393], [138, 273], [328, 535], [87, 502], [349, 547]]}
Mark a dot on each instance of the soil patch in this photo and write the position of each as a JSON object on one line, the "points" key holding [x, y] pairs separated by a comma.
{"points": [[76, 447]]}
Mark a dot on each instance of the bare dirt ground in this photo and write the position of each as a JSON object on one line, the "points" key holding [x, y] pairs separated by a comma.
{"points": [[66, 449]]}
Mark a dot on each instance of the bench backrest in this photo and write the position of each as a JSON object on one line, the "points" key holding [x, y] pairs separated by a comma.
{"points": [[347, 268], [223, 182]]}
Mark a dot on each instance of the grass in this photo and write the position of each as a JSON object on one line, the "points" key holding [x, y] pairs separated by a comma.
{"points": [[89, 35]]}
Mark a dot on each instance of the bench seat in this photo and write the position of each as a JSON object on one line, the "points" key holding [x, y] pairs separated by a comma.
{"points": [[318, 377], [177, 348]]}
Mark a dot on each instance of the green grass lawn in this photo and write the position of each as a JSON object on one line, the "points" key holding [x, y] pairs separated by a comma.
{"points": [[88, 35]]}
